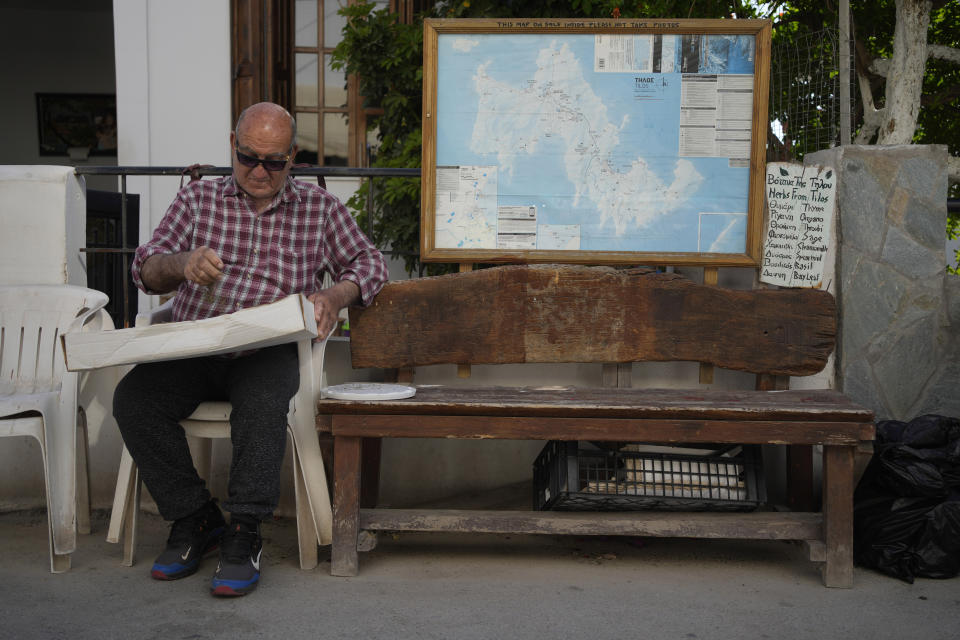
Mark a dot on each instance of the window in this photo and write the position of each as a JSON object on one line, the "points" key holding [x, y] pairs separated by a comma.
{"points": [[330, 119], [286, 59]]}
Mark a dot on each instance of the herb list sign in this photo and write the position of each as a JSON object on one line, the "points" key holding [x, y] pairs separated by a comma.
{"points": [[800, 208]]}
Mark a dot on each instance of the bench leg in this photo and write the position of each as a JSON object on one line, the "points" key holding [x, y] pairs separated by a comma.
{"points": [[346, 505], [838, 515], [370, 473], [800, 477]]}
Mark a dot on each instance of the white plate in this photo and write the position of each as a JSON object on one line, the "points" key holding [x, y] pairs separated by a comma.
{"points": [[369, 391]]}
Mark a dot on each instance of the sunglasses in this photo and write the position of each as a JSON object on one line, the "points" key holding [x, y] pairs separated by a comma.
{"points": [[277, 164]]}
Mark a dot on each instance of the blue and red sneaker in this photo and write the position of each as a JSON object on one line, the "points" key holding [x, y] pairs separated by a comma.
{"points": [[238, 571], [191, 538]]}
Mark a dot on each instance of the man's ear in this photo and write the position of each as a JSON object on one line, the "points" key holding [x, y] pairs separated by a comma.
{"points": [[233, 140]]}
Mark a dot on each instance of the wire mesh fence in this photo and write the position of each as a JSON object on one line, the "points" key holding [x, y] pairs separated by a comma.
{"points": [[805, 103]]}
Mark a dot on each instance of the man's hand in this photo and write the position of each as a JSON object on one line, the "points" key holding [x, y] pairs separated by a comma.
{"points": [[203, 266], [165, 272], [327, 305]]}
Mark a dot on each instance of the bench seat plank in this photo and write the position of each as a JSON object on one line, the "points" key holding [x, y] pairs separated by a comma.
{"points": [[574, 402]]}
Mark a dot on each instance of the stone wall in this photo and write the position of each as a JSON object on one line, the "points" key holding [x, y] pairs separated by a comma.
{"points": [[899, 346]]}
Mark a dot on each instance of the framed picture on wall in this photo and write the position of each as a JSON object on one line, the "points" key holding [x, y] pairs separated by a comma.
{"points": [[77, 124], [594, 141]]}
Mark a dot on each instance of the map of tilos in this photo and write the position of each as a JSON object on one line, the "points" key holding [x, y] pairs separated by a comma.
{"points": [[636, 142]]}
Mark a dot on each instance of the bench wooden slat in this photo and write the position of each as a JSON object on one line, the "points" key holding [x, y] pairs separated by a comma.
{"points": [[566, 313], [758, 525], [613, 429], [678, 404]]}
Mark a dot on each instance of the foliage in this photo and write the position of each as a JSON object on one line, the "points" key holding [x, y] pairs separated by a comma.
{"points": [[799, 40], [387, 57], [873, 23], [595, 9]]}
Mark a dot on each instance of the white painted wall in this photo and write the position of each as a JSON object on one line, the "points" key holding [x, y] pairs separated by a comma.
{"points": [[51, 47], [173, 93]]}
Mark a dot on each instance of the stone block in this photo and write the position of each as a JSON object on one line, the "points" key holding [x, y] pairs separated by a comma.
{"points": [[862, 203], [926, 222], [923, 300], [904, 369], [943, 394], [871, 297], [883, 163], [911, 258], [923, 169], [897, 205], [882, 343], [857, 383]]}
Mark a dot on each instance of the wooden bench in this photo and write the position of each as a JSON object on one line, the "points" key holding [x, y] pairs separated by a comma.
{"points": [[554, 314]]}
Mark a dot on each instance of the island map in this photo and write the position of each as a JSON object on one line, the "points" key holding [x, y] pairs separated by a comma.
{"points": [[593, 142]]}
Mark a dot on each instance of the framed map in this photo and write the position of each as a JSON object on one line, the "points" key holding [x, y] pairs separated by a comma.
{"points": [[594, 141]]}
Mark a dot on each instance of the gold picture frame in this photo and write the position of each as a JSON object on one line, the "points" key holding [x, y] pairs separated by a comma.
{"points": [[462, 102]]}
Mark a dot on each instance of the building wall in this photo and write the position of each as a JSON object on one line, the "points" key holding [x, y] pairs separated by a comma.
{"points": [[51, 47], [173, 94]]}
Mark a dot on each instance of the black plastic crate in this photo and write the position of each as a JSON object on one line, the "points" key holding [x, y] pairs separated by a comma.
{"points": [[572, 476]]}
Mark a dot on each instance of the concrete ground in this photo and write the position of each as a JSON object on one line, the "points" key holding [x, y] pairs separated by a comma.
{"points": [[467, 586]]}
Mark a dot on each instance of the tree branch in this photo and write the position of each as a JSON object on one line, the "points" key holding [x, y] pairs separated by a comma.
{"points": [[943, 52], [881, 66], [872, 117]]}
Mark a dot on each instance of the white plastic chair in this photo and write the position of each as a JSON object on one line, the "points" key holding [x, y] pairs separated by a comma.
{"points": [[38, 398], [212, 420]]}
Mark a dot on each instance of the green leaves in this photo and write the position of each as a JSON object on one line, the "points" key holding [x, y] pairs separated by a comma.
{"points": [[387, 56]]}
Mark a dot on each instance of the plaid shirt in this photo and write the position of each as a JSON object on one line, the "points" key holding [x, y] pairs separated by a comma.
{"points": [[305, 233]]}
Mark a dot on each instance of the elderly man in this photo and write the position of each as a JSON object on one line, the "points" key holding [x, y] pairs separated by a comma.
{"points": [[223, 245]]}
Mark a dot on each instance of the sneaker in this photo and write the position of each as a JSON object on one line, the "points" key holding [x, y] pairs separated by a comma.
{"points": [[238, 571], [191, 538]]}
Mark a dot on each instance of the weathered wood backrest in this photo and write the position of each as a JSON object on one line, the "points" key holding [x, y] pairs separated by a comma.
{"points": [[566, 313]]}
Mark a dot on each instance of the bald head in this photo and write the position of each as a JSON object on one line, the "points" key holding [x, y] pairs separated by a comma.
{"points": [[267, 116], [265, 132]]}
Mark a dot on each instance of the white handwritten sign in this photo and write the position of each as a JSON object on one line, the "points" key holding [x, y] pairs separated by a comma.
{"points": [[800, 211]]}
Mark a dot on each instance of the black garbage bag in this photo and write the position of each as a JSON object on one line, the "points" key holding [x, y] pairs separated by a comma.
{"points": [[906, 518]]}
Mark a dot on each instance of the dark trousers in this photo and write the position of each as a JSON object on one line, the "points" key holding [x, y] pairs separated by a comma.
{"points": [[152, 398]]}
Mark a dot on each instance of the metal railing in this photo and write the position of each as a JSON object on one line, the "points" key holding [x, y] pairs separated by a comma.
{"points": [[123, 172]]}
